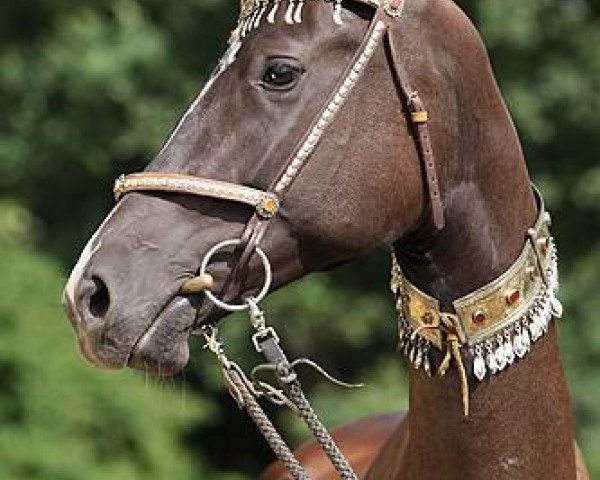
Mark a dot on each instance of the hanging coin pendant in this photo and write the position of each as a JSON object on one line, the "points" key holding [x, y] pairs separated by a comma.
{"points": [[509, 353], [557, 308], [535, 329], [526, 340], [419, 359], [479, 367], [491, 362], [427, 364], [500, 358], [519, 346], [413, 354]]}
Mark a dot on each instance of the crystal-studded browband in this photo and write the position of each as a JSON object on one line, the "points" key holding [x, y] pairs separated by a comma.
{"points": [[497, 323], [254, 12]]}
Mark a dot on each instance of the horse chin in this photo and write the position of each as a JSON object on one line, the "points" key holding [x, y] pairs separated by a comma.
{"points": [[164, 349]]}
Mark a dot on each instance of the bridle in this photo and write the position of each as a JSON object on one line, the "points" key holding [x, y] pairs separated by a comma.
{"points": [[497, 323], [267, 205]]}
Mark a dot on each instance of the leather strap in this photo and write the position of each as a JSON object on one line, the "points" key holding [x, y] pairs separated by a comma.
{"points": [[256, 228], [178, 183], [419, 118]]}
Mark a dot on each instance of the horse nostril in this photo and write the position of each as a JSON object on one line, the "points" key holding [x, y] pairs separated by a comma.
{"points": [[100, 299]]}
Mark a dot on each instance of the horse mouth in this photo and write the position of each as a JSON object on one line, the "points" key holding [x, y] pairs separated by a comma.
{"points": [[163, 348]]}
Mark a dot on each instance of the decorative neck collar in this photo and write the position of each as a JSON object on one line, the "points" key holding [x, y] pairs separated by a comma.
{"points": [[496, 324]]}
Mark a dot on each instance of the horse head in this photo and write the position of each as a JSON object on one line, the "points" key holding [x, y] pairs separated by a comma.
{"points": [[363, 182]]}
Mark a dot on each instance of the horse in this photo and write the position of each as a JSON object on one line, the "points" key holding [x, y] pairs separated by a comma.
{"points": [[329, 87]]}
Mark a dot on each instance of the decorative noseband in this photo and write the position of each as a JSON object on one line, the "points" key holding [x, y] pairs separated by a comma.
{"points": [[266, 204]]}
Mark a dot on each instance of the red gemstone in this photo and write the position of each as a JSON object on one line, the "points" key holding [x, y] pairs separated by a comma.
{"points": [[479, 318], [513, 297]]}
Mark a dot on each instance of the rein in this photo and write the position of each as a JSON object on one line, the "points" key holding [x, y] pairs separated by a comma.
{"points": [[267, 205]]}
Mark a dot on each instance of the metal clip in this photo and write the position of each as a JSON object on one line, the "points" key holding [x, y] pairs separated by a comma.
{"points": [[257, 316], [214, 344], [264, 334]]}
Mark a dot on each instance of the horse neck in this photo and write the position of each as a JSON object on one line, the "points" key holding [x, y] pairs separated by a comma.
{"points": [[520, 416], [523, 415]]}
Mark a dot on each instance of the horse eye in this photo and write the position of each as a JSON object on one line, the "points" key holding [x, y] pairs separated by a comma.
{"points": [[281, 75]]}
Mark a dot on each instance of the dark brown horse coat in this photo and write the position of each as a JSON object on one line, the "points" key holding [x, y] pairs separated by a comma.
{"points": [[362, 188], [361, 442]]}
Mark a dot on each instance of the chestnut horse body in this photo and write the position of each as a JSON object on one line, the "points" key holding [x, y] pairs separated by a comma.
{"points": [[363, 188]]}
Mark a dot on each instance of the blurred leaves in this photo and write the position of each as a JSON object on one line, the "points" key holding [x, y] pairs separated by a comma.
{"points": [[61, 418], [91, 89], [91, 95]]}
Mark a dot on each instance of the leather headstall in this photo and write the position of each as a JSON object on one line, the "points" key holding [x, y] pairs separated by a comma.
{"points": [[267, 203]]}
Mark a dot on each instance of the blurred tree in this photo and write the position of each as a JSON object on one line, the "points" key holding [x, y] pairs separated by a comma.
{"points": [[63, 420], [90, 89], [93, 88]]}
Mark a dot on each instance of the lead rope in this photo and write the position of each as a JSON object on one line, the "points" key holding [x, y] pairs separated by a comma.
{"points": [[246, 392], [245, 397], [266, 342], [320, 433], [268, 430]]}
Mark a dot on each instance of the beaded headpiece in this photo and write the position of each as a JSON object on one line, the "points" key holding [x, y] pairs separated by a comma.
{"points": [[254, 12]]}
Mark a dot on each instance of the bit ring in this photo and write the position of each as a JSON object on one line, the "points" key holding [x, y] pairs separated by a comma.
{"points": [[242, 306]]}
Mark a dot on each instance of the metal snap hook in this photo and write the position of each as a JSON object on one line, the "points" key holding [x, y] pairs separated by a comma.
{"points": [[242, 306]]}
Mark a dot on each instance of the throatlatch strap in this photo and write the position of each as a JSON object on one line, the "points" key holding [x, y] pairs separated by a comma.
{"points": [[419, 118]]}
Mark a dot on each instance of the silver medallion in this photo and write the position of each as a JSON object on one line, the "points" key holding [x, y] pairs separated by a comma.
{"points": [[479, 369], [509, 353], [557, 308]]}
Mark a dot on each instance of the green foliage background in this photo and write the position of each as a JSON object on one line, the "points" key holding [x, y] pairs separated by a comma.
{"points": [[89, 89]]}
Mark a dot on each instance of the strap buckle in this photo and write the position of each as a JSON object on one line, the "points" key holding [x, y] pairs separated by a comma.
{"points": [[420, 116]]}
